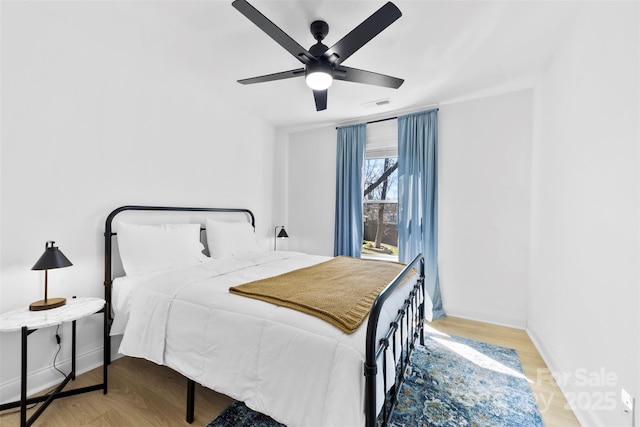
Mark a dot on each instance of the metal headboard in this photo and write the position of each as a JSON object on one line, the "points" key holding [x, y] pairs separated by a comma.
{"points": [[109, 233]]}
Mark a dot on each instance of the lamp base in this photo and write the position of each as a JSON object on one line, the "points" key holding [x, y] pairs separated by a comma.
{"points": [[47, 304]]}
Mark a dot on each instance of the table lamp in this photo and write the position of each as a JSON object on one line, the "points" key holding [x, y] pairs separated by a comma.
{"points": [[50, 259], [281, 235]]}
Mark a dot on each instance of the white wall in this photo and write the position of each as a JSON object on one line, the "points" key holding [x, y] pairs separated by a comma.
{"points": [[484, 193], [90, 123], [312, 190], [281, 186], [583, 296]]}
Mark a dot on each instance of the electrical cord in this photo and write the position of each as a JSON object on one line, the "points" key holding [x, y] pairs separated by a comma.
{"points": [[58, 340], [55, 357]]}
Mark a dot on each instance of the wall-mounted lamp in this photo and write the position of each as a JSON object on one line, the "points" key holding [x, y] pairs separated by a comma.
{"points": [[50, 259], [281, 235]]}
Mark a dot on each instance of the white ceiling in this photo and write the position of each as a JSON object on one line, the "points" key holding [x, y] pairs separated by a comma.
{"points": [[445, 50]]}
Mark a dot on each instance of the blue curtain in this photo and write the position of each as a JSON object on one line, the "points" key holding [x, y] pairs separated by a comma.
{"points": [[418, 197], [350, 162]]}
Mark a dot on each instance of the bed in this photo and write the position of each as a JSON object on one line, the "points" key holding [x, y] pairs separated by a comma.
{"points": [[294, 367]]}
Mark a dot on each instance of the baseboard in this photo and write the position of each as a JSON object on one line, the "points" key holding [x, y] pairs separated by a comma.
{"points": [[47, 377], [487, 317], [585, 418]]}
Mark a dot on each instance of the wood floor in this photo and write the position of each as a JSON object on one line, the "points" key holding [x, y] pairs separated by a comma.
{"points": [[551, 402], [143, 394]]}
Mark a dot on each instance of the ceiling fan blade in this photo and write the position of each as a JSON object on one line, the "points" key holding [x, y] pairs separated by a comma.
{"points": [[359, 36], [367, 77], [321, 99], [275, 76], [273, 31]]}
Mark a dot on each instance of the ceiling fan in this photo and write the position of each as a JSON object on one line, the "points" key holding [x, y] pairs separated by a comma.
{"points": [[323, 64]]}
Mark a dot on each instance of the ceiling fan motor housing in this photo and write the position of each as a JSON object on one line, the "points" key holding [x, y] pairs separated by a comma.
{"points": [[319, 30]]}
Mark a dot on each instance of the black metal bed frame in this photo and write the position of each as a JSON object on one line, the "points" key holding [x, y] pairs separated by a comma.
{"points": [[398, 340]]}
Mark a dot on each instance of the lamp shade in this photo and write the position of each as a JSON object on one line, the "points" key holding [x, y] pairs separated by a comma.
{"points": [[279, 235], [282, 234], [51, 258]]}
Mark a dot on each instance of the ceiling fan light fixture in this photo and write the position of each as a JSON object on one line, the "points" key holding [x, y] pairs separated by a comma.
{"points": [[318, 77]]}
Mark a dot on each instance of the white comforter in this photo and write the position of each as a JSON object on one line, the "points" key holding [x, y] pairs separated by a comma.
{"points": [[294, 367]]}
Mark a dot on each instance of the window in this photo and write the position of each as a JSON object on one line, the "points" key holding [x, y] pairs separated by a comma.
{"points": [[380, 192]]}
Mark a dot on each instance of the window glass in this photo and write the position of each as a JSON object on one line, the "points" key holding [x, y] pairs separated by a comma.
{"points": [[380, 208]]}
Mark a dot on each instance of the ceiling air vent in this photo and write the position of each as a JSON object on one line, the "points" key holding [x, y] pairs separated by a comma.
{"points": [[378, 103]]}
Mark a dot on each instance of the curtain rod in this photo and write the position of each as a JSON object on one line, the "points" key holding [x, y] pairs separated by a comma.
{"points": [[382, 120], [374, 121], [389, 118]]}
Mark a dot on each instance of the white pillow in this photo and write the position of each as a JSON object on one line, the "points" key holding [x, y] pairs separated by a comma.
{"points": [[148, 248], [230, 238]]}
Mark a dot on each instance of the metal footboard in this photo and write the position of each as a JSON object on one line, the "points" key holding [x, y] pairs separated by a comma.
{"points": [[398, 342]]}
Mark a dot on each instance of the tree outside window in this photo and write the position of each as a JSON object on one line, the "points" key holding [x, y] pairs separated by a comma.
{"points": [[380, 208]]}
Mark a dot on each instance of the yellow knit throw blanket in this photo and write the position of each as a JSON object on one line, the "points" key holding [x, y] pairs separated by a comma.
{"points": [[340, 291]]}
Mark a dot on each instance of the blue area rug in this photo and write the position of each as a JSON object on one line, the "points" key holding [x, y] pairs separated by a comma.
{"points": [[452, 381]]}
